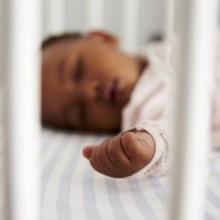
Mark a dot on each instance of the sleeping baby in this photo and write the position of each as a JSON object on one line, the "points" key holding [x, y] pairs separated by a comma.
{"points": [[89, 84]]}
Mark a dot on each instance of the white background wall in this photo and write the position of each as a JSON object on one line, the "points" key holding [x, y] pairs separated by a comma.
{"points": [[73, 17], [151, 19]]}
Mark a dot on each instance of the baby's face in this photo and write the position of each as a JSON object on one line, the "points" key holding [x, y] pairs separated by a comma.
{"points": [[85, 84]]}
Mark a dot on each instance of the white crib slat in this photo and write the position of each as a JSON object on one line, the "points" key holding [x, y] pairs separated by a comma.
{"points": [[1, 42], [22, 72], [56, 16], [197, 27], [95, 14], [130, 15]]}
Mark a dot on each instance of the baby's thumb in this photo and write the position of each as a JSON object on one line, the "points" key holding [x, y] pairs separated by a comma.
{"points": [[87, 152]]}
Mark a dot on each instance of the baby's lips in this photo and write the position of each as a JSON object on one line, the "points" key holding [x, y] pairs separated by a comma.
{"points": [[113, 93], [108, 90]]}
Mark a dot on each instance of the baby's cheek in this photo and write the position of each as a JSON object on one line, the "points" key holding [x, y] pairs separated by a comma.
{"points": [[104, 118]]}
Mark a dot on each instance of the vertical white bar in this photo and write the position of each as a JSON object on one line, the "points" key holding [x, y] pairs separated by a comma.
{"points": [[1, 42], [95, 14], [197, 22], [130, 18], [2, 85], [170, 14], [56, 16], [22, 108]]}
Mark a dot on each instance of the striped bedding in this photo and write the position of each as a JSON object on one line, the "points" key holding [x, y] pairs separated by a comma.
{"points": [[71, 190]]}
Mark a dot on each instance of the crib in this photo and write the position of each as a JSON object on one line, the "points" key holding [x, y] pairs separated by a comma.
{"points": [[43, 175]]}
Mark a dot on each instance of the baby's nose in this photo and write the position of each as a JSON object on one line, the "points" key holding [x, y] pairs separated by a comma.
{"points": [[92, 90]]}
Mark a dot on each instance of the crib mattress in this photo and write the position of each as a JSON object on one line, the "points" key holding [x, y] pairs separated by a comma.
{"points": [[72, 190]]}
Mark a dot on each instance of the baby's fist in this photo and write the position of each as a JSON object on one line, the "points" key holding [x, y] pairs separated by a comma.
{"points": [[122, 155]]}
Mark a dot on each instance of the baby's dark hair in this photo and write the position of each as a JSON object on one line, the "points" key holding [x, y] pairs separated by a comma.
{"points": [[51, 40]]}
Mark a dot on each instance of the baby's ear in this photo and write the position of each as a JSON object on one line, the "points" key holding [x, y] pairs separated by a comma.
{"points": [[104, 36]]}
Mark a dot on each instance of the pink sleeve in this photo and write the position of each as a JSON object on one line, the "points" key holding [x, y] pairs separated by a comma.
{"points": [[160, 163]]}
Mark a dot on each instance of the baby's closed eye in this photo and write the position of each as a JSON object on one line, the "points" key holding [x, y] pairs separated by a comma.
{"points": [[79, 70]]}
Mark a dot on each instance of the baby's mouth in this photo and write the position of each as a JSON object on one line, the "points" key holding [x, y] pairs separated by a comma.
{"points": [[111, 93]]}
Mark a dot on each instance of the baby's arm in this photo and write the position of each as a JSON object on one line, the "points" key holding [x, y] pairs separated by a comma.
{"points": [[122, 155]]}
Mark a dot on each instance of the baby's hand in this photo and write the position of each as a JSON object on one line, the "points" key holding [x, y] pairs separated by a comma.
{"points": [[122, 155]]}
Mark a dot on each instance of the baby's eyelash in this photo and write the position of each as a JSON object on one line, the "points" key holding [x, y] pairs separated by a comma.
{"points": [[79, 70]]}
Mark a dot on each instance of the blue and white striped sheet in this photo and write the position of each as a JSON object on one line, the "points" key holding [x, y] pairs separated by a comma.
{"points": [[72, 190]]}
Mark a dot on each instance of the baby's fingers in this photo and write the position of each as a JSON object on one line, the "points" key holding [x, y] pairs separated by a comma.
{"points": [[116, 153], [87, 152], [137, 148], [100, 160]]}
